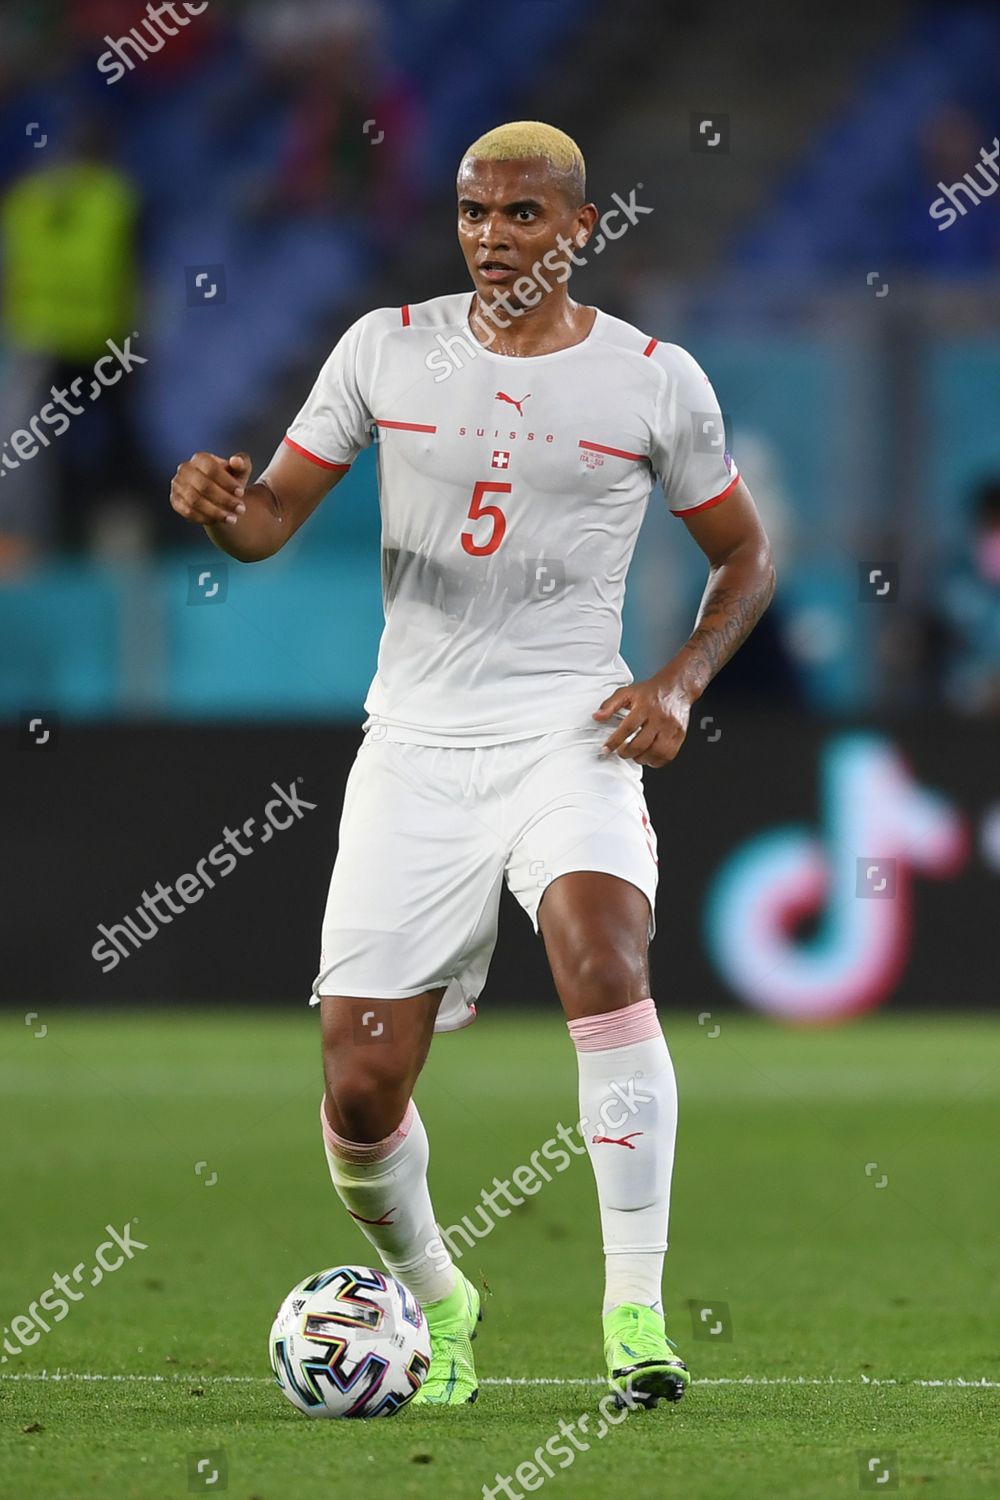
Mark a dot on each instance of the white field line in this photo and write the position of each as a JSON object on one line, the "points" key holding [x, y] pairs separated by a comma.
{"points": [[195, 1379]]}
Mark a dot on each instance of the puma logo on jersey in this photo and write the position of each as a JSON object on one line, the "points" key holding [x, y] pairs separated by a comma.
{"points": [[502, 396], [609, 1140]]}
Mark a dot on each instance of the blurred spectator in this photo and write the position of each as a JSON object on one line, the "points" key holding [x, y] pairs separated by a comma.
{"points": [[68, 232], [171, 50], [351, 140], [949, 168], [969, 605]]}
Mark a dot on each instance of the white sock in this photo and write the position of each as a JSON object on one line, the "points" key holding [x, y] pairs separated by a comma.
{"points": [[628, 1115], [383, 1186]]}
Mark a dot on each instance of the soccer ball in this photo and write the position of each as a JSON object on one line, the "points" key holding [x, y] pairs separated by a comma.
{"points": [[350, 1342]]}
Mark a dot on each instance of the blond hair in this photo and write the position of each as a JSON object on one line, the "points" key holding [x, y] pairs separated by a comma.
{"points": [[525, 139]]}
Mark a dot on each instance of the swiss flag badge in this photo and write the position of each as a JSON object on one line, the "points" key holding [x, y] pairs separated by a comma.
{"points": [[500, 459]]}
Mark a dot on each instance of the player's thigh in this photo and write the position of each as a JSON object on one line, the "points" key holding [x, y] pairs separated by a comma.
{"points": [[416, 876], [584, 868], [596, 933]]}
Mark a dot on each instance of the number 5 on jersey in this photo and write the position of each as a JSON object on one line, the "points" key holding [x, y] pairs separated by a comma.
{"points": [[496, 515]]}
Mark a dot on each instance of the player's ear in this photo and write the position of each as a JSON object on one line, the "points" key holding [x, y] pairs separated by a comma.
{"points": [[589, 215]]}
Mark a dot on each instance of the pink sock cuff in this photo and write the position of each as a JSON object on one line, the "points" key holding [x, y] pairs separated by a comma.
{"points": [[616, 1028], [365, 1152]]}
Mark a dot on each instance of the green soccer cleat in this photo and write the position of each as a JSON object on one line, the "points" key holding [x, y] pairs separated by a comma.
{"points": [[451, 1379], [642, 1361]]}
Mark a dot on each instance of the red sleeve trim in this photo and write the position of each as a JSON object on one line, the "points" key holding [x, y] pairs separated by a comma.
{"points": [[406, 316], [405, 426], [323, 463], [707, 504], [614, 452], [650, 347]]}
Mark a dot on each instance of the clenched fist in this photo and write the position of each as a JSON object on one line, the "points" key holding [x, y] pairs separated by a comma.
{"points": [[207, 489]]}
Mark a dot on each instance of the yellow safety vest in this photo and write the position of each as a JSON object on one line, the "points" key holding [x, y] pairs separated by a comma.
{"points": [[68, 259]]}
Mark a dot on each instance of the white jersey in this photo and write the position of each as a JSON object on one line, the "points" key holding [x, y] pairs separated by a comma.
{"points": [[512, 491]]}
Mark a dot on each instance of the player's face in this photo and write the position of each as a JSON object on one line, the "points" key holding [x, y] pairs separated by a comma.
{"points": [[511, 216]]}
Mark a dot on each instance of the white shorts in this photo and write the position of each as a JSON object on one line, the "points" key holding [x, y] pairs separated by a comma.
{"points": [[427, 835]]}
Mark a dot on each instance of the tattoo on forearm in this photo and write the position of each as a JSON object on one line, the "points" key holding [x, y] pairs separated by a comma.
{"points": [[727, 618]]}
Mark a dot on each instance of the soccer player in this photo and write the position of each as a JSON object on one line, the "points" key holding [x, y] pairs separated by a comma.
{"points": [[519, 434]]}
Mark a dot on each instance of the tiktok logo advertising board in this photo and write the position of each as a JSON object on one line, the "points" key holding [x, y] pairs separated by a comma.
{"points": [[852, 882]]}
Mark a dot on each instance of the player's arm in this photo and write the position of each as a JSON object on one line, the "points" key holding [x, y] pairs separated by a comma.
{"points": [[740, 586], [250, 521]]}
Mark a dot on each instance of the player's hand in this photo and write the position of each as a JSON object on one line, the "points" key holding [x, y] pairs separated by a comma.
{"points": [[656, 714], [208, 489]]}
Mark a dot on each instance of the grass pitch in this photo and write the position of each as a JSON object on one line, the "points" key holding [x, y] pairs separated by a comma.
{"points": [[834, 1205]]}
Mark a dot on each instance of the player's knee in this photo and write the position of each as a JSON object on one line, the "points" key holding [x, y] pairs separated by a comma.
{"points": [[366, 1098], [605, 975], [358, 1116]]}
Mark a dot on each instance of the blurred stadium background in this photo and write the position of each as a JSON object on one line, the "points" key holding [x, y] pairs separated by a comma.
{"points": [[235, 195]]}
